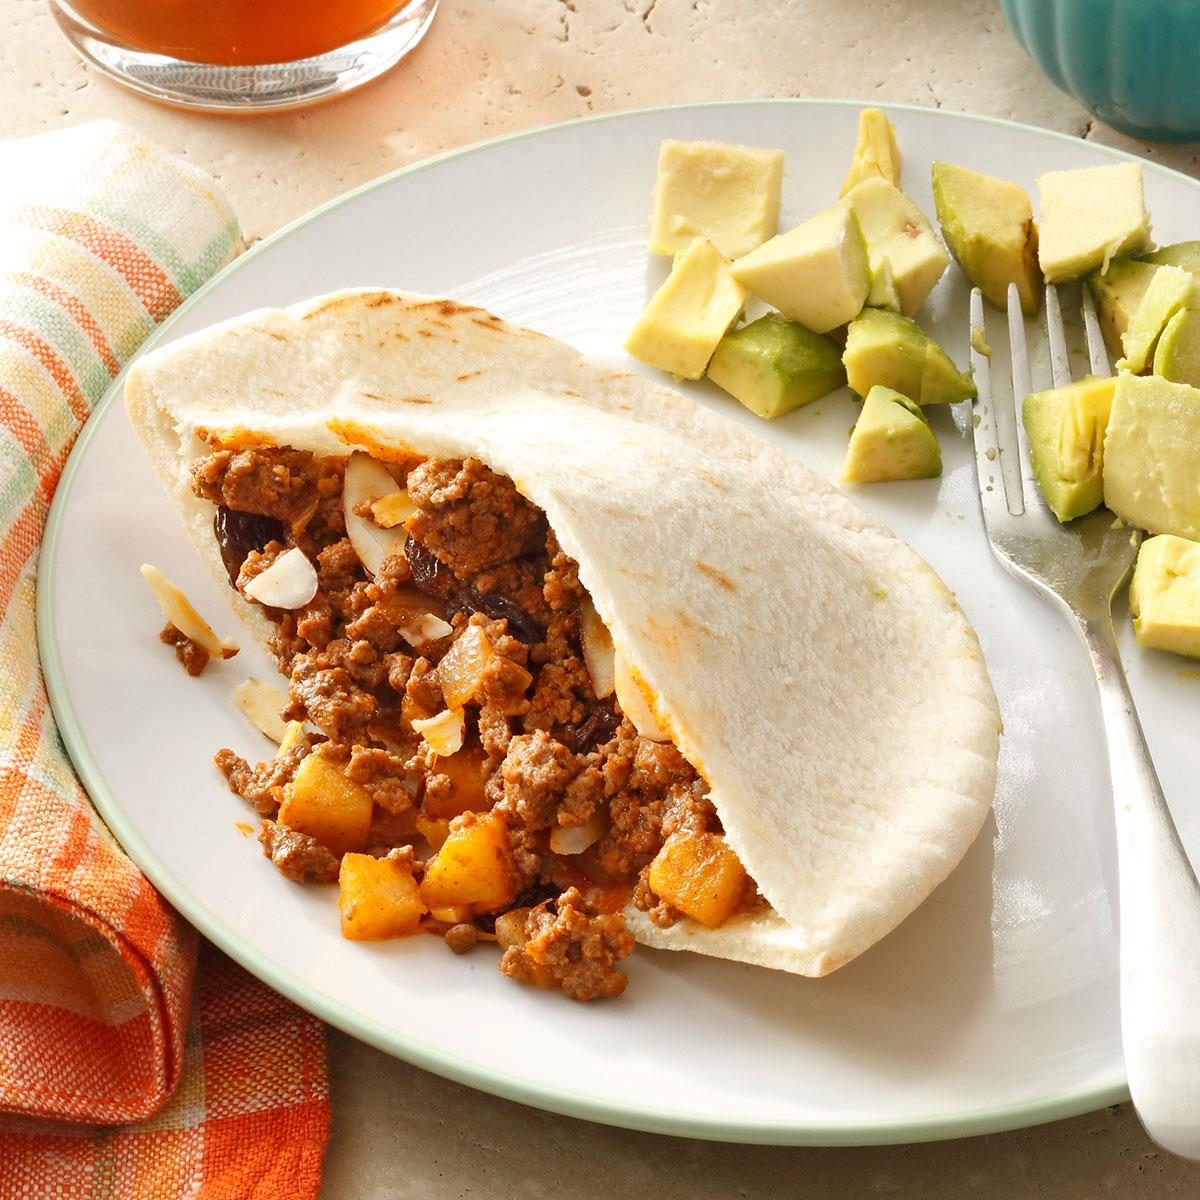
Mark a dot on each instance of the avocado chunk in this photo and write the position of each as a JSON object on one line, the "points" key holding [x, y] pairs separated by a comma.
{"points": [[1151, 478], [883, 292], [773, 366], [891, 440], [1169, 291], [887, 349], [988, 225], [1117, 293], [1177, 354], [876, 153], [896, 229], [1089, 217], [1178, 254], [816, 274], [1065, 427], [685, 319], [1164, 595], [726, 193]]}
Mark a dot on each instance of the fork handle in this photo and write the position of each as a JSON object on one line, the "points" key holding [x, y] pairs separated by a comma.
{"points": [[1159, 920]]}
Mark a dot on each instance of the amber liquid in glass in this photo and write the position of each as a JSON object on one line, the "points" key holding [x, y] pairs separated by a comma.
{"points": [[238, 32]]}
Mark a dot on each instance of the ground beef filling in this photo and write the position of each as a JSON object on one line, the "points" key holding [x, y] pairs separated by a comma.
{"points": [[541, 752], [191, 654]]}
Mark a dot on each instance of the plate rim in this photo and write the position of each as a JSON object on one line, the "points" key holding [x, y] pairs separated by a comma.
{"points": [[565, 1101]]}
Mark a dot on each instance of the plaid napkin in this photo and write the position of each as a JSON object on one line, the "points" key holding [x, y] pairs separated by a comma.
{"points": [[217, 1084]]}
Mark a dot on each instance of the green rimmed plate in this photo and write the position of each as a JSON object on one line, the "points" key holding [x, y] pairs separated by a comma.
{"points": [[994, 1006]]}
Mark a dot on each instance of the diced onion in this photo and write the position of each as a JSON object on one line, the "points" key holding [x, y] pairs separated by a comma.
{"points": [[289, 582], [443, 733], [598, 650], [634, 703], [367, 479], [261, 704], [393, 509], [461, 670], [423, 628], [179, 610], [575, 839]]}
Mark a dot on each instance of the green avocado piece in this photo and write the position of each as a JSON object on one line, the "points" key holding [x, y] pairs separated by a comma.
{"points": [[1150, 477], [1169, 290], [1177, 354], [773, 365], [891, 440], [988, 225], [1117, 293], [1178, 254], [888, 349], [1065, 427], [883, 293]]}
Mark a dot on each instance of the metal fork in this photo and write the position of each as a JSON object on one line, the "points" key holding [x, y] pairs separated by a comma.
{"points": [[1079, 568]]}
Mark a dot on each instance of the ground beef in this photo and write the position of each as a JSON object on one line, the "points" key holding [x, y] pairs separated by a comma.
{"points": [[191, 654], [663, 915], [293, 486], [689, 809], [570, 947], [553, 753], [561, 588], [324, 692], [298, 856], [639, 774], [470, 517], [562, 689], [391, 781], [261, 785], [536, 772], [520, 583]]}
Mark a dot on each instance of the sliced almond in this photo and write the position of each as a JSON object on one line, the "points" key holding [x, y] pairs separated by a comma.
{"points": [[392, 510], [289, 582], [424, 628], [634, 702], [443, 733], [367, 480], [598, 650], [575, 839], [261, 703], [180, 611]]}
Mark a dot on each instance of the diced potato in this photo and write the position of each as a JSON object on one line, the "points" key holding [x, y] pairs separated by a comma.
{"points": [[323, 803], [700, 875], [468, 770], [474, 866], [435, 830], [378, 898]]}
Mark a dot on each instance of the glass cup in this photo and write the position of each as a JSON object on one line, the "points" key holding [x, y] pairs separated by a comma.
{"points": [[243, 55]]}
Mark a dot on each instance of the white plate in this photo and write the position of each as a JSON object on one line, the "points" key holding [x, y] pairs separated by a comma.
{"points": [[994, 1006]]}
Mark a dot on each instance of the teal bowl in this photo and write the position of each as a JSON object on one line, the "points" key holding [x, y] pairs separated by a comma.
{"points": [[1135, 64]]}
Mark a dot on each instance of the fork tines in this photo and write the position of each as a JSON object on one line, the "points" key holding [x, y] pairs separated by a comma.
{"points": [[1006, 486]]}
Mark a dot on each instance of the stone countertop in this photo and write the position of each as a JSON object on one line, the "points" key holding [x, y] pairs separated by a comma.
{"points": [[490, 67]]}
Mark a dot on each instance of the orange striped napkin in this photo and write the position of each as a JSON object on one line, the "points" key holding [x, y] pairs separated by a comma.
{"points": [[190, 1083]]}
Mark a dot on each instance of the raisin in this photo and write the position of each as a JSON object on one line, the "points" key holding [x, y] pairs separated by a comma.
{"points": [[429, 573], [240, 532], [594, 730]]}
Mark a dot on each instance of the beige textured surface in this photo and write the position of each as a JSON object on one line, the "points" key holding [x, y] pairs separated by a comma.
{"points": [[494, 66]]}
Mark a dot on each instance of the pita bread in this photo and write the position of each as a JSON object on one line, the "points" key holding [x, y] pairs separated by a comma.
{"points": [[809, 664]]}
